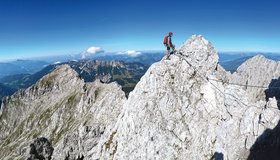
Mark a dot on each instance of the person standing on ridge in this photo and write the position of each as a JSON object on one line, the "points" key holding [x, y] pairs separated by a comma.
{"points": [[168, 44]]}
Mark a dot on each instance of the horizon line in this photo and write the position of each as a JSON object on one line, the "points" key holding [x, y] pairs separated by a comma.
{"points": [[112, 52]]}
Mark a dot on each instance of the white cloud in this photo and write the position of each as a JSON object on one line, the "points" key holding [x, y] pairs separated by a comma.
{"points": [[131, 53], [91, 51], [58, 62], [94, 50]]}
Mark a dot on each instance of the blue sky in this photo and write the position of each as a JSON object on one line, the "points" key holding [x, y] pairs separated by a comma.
{"points": [[52, 27]]}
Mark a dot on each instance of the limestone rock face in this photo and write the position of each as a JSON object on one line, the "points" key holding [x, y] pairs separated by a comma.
{"points": [[200, 53], [257, 71], [184, 108], [58, 106]]}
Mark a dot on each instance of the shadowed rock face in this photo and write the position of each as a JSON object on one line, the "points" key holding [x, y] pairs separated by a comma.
{"points": [[183, 108], [267, 146], [218, 156], [273, 90], [40, 149]]}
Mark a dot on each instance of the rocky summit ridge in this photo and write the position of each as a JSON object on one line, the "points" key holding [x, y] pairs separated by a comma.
{"points": [[188, 107]]}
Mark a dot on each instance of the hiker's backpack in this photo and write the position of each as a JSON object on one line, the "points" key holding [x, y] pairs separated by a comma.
{"points": [[165, 40]]}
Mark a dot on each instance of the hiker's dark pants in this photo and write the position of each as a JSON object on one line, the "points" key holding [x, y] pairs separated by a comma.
{"points": [[168, 47]]}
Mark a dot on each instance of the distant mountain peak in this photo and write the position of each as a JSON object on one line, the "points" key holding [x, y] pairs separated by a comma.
{"points": [[61, 75]]}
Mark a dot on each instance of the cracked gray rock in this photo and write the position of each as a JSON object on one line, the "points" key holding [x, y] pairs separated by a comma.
{"points": [[62, 108], [179, 111], [257, 71]]}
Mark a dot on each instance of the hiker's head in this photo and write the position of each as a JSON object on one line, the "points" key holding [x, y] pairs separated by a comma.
{"points": [[170, 33]]}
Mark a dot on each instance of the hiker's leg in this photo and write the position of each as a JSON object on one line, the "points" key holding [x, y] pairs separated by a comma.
{"points": [[168, 52], [173, 48]]}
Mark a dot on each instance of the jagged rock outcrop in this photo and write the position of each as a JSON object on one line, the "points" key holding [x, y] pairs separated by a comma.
{"points": [[183, 108], [257, 71], [59, 104], [180, 109]]}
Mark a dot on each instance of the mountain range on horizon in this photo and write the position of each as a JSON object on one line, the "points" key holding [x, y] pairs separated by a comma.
{"points": [[229, 60], [126, 74], [21, 74]]}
